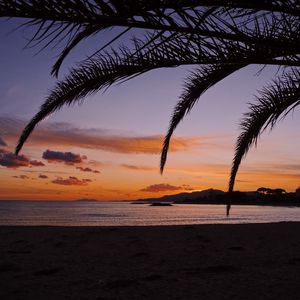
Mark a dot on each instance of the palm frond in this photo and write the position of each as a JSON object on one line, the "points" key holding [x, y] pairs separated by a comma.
{"points": [[218, 19], [197, 83], [274, 103], [166, 51], [83, 34], [206, 77]]}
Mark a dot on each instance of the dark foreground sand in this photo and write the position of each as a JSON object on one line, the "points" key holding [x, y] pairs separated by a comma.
{"points": [[176, 262]]}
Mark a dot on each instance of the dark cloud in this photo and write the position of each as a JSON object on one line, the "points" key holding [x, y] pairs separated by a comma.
{"points": [[10, 160], [42, 176], [162, 187], [67, 135], [68, 158], [87, 170], [72, 180], [2, 142]]}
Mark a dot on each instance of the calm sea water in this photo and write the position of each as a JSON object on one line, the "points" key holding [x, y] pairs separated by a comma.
{"points": [[59, 213]]}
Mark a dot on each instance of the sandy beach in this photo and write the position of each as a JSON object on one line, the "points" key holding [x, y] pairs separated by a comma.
{"points": [[260, 261]]}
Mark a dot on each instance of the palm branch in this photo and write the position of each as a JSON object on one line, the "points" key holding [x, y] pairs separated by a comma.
{"points": [[72, 21], [197, 83], [168, 51], [273, 103]]}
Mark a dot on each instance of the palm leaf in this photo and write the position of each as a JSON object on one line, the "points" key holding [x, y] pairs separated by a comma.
{"points": [[197, 83], [79, 19], [206, 77], [274, 102], [95, 74]]}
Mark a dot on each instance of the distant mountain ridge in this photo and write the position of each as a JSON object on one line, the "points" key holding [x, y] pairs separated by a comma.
{"points": [[185, 196]]}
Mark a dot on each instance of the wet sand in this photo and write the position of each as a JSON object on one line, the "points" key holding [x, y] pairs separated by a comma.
{"points": [[252, 261]]}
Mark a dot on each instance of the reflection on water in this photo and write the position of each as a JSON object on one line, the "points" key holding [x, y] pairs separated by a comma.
{"points": [[57, 213]]}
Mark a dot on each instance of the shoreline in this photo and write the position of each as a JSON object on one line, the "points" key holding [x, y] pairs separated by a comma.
{"points": [[140, 202], [154, 227], [209, 261]]}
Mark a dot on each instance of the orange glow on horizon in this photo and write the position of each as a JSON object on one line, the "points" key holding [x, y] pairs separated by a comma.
{"points": [[134, 184], [115, 171]]}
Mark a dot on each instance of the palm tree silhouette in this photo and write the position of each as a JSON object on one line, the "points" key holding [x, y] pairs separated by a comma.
{"points": [[219, 37]]}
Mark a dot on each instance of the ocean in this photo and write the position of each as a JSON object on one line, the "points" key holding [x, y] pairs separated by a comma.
{"points": [[75, 213]]}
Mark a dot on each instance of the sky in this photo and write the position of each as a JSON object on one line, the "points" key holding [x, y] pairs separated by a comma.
{"points": [[107, 148]]}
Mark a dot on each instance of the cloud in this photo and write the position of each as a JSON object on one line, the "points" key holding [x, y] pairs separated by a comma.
{"points": [[68, 158], [72, 180], [87, 170], [187, 187], [137, 168], [22, 177], [10, 160], [2, 142], [166, 187], [37, 163], [42, 176], [162, 187], [276, 166], [67, 135]]}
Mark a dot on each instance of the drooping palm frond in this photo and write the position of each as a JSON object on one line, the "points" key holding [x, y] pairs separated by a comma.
{"points": [[274, 103], [197, 83]]}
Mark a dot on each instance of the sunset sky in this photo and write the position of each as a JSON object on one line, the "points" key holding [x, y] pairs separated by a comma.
{"points": [[108, 147]]}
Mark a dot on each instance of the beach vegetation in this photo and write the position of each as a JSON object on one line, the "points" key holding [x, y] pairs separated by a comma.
{"points": [[268, 191]]}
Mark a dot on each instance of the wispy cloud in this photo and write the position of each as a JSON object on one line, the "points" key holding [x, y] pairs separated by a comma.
{"points": [[275, 166], [22, 177], [161, 187], [137, 168], [65, 134], [10, 160], [67, 158], [187, 187], [72, 180], [87, 169], [164, 187]]}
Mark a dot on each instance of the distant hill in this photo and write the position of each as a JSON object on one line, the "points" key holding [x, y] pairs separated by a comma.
{"points": [[182, 197], [212, 196]]}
